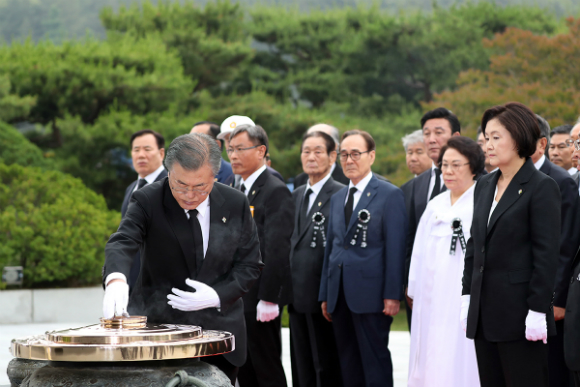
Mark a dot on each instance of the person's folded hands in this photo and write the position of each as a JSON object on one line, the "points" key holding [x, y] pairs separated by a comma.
{"points": [[202, 297]]}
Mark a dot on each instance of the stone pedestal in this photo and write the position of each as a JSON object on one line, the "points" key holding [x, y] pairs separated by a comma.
{"points": [[32, 373]]}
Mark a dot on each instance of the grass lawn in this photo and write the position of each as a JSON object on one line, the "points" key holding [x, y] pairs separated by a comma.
{"points": [[399, 322]]}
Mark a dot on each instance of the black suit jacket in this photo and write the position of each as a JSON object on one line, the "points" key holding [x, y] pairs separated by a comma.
{"points": [[572, 320], [569, 230], [156, 225], [131, 187], [306, 262], [274, 217], [337, 175], [510, 264]]}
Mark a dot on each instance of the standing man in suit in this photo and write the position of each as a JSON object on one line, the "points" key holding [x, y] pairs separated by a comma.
{"points": [[274, 217], [559, 373], [315, 360], [560, 148], [438, 126], [213, 130], [147, 152], [335, 170], [199, 247], [362, 276]]}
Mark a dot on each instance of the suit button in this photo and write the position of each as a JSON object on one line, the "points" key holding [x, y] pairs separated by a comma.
{"points": [[483, 249], [481, 269]]}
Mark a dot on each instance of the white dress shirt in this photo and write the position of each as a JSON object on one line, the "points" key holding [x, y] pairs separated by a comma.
{"points": [[432, 182], [150, 177], [315, 190], [361, 186], [572, 171], [493, 205], [538, 164], [249, 182]]}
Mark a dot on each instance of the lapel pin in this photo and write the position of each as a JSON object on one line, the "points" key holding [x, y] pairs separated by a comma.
{"points": [[224, 220], [520, 192], [319, 204], [253, 192], [368, 194]]}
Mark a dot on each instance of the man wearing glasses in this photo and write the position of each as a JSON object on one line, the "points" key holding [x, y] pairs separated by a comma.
{"points": [[273, 211], [199, 248], [362, 275]]}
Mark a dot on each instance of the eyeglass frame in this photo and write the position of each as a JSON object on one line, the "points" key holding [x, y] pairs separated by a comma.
{"points": [[182, 191], [574, 143], [346, 155], [452, 167], [230, 151]]}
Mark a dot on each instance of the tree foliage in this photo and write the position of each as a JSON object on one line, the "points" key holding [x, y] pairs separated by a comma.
{"points": [[53, 226], [538, 71], [16, 149]]}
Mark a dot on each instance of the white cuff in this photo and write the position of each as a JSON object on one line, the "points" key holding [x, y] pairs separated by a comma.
{"points": [[113, 276]]}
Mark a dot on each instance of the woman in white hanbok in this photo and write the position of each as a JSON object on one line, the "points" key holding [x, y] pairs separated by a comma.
{"points": [[441, 355]]}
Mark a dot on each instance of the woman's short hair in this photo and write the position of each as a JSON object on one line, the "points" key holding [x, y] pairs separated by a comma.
{"points": [[520, 122], [468, 148]]}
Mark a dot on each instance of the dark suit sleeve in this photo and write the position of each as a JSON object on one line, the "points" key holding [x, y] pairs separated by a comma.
{"points": [[469, 253], [545, 224], [323, 292], [278, 228], [126, 242], [247, 263], [568, 240], [394, 234], [411, 230]]}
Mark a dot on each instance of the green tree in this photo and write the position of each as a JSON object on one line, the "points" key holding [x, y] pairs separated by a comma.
{"points": [[53, 226], [16, 149], [13, 106]]}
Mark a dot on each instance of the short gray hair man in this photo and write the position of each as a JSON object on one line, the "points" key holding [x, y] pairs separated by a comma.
{"points": [[192, 151], [412, 138], [256, 134], [328, 129]]}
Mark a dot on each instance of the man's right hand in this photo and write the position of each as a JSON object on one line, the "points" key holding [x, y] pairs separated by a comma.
{"points": [[408, 299], [324, 312], [116, 298], [559, 313]]}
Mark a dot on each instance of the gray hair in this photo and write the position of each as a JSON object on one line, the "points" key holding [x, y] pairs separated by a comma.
{"points": [[412, 138], [256, 133], [328, 129], [544, 127], [192, 151]]}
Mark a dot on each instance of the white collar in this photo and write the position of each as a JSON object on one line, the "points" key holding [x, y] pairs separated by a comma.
{"points": [[361, 184], [252, 178], [572, 171], [201, 207], [318, 186], [332, 168], [153, 175], [538, 164]]}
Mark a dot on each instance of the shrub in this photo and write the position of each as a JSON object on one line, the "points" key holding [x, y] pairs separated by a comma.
{"points": [[16, 149], [53, 226]]}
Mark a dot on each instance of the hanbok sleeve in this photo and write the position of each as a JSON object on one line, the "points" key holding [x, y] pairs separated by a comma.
{"points": [[419, 251]]}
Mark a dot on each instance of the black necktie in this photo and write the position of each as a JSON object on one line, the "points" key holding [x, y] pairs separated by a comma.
{"points": [[437, 186], [142, 183], [348, 208], [304, 212], [243, 188], [197, 239]]}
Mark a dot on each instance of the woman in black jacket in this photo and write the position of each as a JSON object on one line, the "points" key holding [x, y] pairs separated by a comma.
{"points": [[511, 258]]}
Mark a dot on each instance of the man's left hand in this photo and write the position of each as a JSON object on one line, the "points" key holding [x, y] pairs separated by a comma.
{"points": [[559, 313], [391, 307], [204, 297]]}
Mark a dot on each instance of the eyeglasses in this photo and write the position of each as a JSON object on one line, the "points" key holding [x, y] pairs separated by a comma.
{"points": [[453, 167], [229, 151], [187, 189], [355, 156], [575, 143]]}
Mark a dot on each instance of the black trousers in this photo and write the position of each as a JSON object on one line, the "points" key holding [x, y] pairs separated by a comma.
{"points": [[576, 376], [362, 341], [560, 375], [220, 362], [263, 366], [314, 347], [519, 363]]}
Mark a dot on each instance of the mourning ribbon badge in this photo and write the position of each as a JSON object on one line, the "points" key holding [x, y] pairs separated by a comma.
{"points": [[364, 216], [457, 228], [318, 220]]}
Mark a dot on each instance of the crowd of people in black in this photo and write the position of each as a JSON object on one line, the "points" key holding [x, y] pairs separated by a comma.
{"points": [[481, 244]]}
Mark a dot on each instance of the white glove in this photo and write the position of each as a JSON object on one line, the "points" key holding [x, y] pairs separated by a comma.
{"points": [[267, 311], [465, 300], [116, 299], [536, 327], [204, 297]]}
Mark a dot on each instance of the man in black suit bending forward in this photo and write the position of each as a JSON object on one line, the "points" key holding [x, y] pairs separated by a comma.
{"points": [[274, 216], [199, 249], [315, 360]]}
